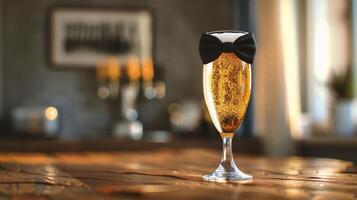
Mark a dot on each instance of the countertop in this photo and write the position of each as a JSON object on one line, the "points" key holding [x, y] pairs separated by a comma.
{"points": [[169, 173]]}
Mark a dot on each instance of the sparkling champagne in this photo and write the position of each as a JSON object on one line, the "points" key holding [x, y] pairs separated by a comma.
{"points": [[227, 86], [227, 56]]}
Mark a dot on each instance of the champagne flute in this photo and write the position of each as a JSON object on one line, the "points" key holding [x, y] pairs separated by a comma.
{"points": [[227, 88]]}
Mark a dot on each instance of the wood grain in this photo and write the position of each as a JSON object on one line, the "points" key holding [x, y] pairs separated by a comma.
{"points": [[169, 173]]}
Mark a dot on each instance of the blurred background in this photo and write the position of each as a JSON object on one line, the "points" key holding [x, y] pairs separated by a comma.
{"points": [[84, 75]]}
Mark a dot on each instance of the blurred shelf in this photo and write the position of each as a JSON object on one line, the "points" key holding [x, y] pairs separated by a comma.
{"points": [[332, 147], [334, 141], [244, 145]]}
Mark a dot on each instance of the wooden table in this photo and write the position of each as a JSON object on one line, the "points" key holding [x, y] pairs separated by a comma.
{"points": [[169, 173]]}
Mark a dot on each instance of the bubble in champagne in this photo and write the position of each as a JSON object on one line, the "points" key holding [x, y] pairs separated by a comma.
{"points": [[227, 91]]}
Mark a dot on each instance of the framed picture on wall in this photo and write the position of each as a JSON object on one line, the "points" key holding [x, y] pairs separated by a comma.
{"points": [[84, 37]]}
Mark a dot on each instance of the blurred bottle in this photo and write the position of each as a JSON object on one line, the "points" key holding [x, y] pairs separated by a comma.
{"points": [[102, 81], [128, 126], [114, 77], [159, 82], [108, 78], [147, 70]]}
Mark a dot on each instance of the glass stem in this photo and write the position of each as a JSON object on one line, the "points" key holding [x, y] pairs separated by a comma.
{"points": [[227, 149], [227, 161]]}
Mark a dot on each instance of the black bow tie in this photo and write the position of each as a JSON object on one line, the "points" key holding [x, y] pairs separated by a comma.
{"points": [[211, 48]]}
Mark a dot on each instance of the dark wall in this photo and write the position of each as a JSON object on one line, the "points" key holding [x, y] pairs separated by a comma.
{"points": [[28, 80]]}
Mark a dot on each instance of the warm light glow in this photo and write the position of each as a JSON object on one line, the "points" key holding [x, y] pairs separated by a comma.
{"points": [[160, 89], [147, 69], [103, 92], [133, 68], [318, 57], [51, 113], [113, 69], [291, 66]]}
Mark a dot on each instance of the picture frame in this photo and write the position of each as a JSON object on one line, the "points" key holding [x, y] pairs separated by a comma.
{"points": [[83, 37]]}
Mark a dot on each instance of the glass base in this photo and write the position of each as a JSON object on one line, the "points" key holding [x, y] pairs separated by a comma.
{"points": [[227, 171], [223, 175]]}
